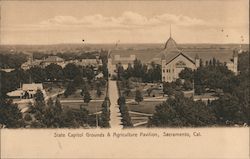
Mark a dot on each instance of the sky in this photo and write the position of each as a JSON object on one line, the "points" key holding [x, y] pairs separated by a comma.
{"points": [[195, 21]]}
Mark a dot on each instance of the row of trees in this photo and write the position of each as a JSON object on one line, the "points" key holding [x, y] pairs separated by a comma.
{"points": [[147, 73], [54, 72], [126, 120], [105, 115]]}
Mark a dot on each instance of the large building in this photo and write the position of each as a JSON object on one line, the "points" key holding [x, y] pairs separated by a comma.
{"points": [[54, 60], [174, 60], [27, 91], [124, 61]]}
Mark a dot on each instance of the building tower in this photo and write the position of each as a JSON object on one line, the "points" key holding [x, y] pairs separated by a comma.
{"points": [[235, 62], [197, 61]]}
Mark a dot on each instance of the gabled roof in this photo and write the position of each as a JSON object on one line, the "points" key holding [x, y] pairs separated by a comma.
{"points": [[54, 59], [32, 86], [188, 58]]}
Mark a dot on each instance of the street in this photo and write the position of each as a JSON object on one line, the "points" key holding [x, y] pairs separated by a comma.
{"points": [[115, 115]]}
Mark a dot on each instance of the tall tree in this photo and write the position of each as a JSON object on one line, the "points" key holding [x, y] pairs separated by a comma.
{"points": [[138, 96], [86, 97]]}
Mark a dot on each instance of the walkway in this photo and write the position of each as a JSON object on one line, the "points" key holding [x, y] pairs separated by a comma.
{"points": [[115, 115]]}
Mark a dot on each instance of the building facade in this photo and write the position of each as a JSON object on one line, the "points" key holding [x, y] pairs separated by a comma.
{"points": [[174, 60]]}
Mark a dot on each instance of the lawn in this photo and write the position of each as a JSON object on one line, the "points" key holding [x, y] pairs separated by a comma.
{"points": [[77, 95], [143, 87], [92, 106], [144, 107]]}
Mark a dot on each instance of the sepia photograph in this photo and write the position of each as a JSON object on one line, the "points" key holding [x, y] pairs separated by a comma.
{"points": [[124, 65]]}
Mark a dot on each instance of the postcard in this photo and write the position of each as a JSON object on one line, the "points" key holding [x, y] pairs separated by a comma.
{"points": [[124, 79]]}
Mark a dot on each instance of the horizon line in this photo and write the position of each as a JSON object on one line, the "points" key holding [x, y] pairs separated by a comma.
{"points": [[125, 43]]}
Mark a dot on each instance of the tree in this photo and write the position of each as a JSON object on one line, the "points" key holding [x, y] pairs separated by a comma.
{"points": [[98, 92], [127, 91], [120, 71], [54, 72], [10, 115], [105, 115], [90, 74], [71, 71], [86, 97], [188, 85], [121, 100], [38, 74], [71, 88], [39, 96], [38, 109], [138, 69], [187, 74], [138, 96], [168, 88]]}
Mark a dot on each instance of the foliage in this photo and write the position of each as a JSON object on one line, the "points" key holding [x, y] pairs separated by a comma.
{"points": [[182, 112], [54, 72], [187, 74], [10, 115], [71, 88], [98, 92], [38, 74], [121, 100], [138, 96], [126, 120], [71, 71], [105, 115], [10, 60], [147, 73], [86, 97]]}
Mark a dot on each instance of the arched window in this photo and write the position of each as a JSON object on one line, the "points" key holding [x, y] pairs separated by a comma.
{"points": [[180, 64]]}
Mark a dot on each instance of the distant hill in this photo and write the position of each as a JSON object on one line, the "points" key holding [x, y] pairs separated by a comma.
{"points": [[90, 47]]}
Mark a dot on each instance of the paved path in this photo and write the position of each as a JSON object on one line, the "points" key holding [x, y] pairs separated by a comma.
{"points": [[140, 123], [138, 113], [115, 115], [151, 99], [79, 100]]}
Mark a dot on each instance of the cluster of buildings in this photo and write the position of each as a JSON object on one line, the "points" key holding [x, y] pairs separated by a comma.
{"points": [[173, 59], [59, 61]]}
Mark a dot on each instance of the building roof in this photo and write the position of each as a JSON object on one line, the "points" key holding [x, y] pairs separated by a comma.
{"points": [[174, 56], [123, 59], [171, 45], [15, 93], [32, 86], [53, 59]]}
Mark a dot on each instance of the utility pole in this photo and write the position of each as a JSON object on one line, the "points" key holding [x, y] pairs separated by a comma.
{"points": [[96, 117]]}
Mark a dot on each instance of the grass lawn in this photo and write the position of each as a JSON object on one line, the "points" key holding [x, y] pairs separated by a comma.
{"points": [[91, 106], [143, 87], [77, 95], [143, 107]]}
